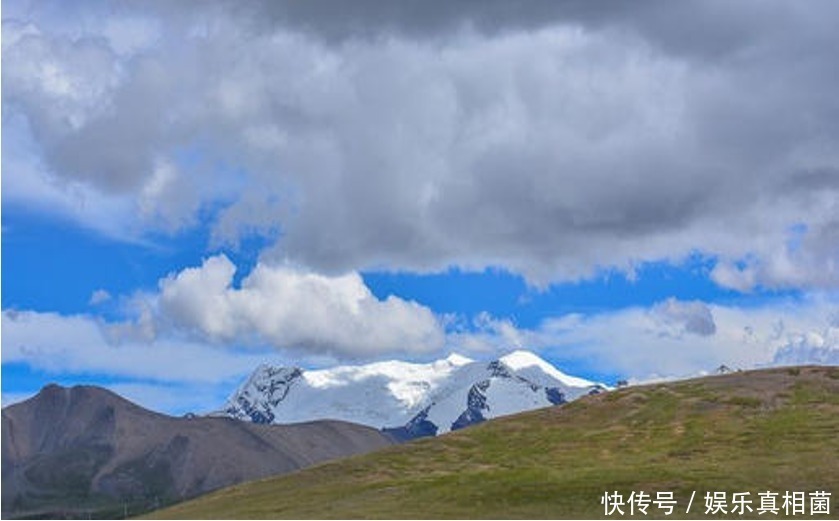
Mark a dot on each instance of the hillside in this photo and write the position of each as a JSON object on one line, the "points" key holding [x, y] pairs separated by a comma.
{"points": [[86, 451], [769, 430]]}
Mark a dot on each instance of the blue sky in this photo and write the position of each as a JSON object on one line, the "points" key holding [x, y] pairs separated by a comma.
{"points": [[188, 193], [54, 265]]}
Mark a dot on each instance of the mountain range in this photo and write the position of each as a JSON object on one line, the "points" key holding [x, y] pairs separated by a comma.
{"points": [[764, 433], [407, 400], [81, 451]]}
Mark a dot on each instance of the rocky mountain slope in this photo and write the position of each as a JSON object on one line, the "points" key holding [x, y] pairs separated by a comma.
{"points": [[82, 450], [408, 400]]}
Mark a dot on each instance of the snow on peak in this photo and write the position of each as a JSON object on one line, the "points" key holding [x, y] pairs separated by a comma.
{"points": [[523, 361], [456, 359], [445, 394], [520, 358]]}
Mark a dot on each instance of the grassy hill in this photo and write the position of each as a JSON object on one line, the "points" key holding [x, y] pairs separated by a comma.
{"points": [[769, 430]]}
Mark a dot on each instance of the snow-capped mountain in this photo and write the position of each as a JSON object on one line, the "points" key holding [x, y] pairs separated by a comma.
{"points": [[407, 399]]}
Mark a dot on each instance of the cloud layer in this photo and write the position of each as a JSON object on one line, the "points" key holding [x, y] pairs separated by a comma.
{"points": [[632, 342], [289, 308], [553, 140], [80, 344], [672, 338]]}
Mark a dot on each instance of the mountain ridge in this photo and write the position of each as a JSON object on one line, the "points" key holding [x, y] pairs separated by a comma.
{"points": [[84, 448], [408, 399]]}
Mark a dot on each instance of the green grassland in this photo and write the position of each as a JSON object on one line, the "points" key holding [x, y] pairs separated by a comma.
{"points": [[752, 431]]}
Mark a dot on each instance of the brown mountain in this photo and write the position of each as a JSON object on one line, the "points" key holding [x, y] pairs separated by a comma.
{"points": [[85, 451]]}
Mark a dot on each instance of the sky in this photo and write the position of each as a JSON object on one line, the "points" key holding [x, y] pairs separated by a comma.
{"points": [[630, 190]]}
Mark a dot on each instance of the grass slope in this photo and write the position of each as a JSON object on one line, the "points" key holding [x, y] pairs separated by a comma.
{"points": [[751, 432]]}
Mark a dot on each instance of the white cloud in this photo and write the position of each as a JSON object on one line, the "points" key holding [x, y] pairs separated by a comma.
{"points": [[644, 343], [293, 308], [679, 317], [813, 347], [177, 375], [78, 344], [160, 373], [808, 259], [98, 297], [487, 334]]}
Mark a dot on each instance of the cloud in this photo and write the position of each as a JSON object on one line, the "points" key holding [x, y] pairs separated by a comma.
{"points": [[78, 344], [554, 140], [167, 371], [98, 297], [714, 29], [680, 317], [672, 338], [810, 259], [159, 367], [487, 334], [813, 347], [292, 308]]}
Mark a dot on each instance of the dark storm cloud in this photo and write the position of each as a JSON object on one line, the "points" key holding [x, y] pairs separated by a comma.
{"points": [[707, 29], [550, 138]]}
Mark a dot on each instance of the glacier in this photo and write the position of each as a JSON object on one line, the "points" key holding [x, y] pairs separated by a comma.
{"points": [[407, 399]]}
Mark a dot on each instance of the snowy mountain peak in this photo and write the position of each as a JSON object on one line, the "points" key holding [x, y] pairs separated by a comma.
{"points": [[456, 359], [408, 399], [256, 398], [521, 358], [529, 362]]}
